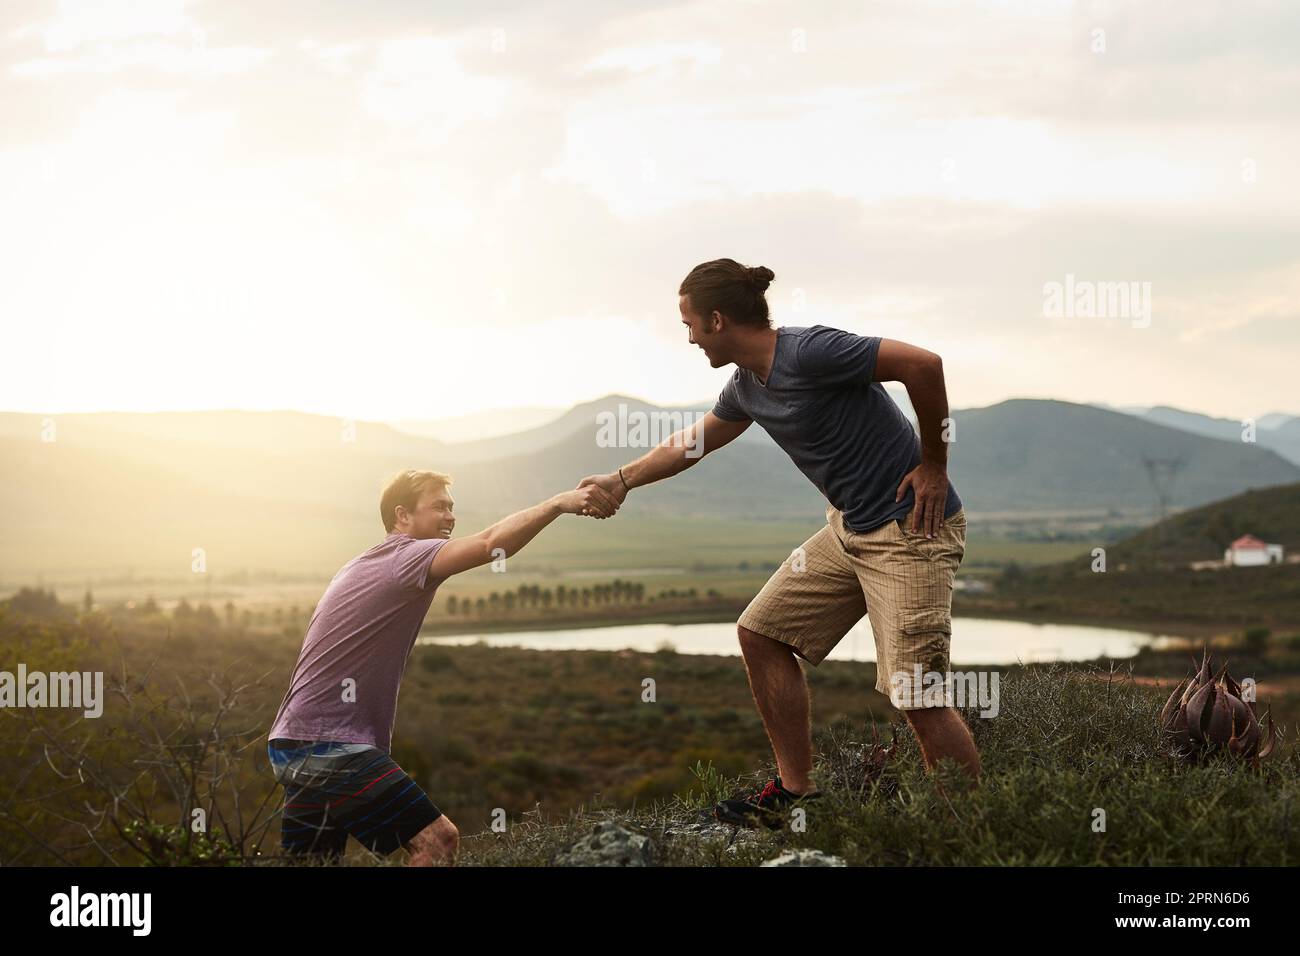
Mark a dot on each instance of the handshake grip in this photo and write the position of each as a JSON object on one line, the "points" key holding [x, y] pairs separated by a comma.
{"points": [[601, 495]]}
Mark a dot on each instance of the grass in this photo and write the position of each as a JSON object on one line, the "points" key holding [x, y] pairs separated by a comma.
{"points": [[561, 741], [1072, 776]]}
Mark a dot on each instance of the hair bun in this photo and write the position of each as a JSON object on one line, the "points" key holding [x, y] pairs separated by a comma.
{"points": [[761, 277]]}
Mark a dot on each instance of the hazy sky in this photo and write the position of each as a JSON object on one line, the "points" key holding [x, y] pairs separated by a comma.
{"points": [[390, 209]]}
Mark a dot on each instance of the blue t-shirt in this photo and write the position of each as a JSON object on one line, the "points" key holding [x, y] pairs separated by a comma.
{"points": [[839, 427]]}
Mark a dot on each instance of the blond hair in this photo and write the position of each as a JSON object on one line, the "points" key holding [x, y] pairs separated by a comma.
{"points": [[405, 490]]}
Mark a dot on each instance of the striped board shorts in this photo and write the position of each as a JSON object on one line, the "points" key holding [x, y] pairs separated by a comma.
{"points": [[334, 789], [902, 581]]}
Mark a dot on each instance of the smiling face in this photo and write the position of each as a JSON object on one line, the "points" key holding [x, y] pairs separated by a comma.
{"points": [[432, 517], [706, 334]]}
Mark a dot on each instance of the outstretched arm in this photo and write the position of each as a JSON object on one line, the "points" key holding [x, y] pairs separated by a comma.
{"points": [[921, 372], [674, 454], [512, 532]]}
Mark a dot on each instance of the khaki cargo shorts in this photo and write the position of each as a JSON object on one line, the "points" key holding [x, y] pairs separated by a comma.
{"points": [[902, 581]]}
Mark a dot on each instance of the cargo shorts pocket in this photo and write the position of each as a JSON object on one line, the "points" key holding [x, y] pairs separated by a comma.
{"points": [[929, 620], [926, 640]]}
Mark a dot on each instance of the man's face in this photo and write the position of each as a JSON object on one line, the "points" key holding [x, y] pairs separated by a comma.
{"points": [[698, 333], [432, 517]]}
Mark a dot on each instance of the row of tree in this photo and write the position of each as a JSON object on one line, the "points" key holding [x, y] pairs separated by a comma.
{"points": [[533, 597], [38, 602], [42, 603]]}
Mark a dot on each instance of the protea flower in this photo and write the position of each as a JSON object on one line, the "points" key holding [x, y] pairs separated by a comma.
{"points": [[1207, 713]]}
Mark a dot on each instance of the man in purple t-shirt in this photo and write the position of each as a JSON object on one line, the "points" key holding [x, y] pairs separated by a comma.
{"points": [[329, 744]]}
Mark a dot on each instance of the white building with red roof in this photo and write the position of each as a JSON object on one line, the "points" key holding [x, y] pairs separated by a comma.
{"points": [[1250, 551]]}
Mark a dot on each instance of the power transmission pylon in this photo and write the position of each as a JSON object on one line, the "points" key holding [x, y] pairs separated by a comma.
{"points": [[1162, 472]]}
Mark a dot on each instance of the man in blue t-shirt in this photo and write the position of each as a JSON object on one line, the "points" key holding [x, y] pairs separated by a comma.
{"points": [[895, 531]]}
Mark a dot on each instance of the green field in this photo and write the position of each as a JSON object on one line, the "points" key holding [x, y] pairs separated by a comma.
{"points": [[732, 559], [560, 740]]}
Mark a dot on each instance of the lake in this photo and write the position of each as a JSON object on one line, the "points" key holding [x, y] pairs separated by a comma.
{"points": [[974, 641]]}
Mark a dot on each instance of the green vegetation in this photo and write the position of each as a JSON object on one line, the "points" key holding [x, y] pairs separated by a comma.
{"points": [[560, 740], [480, 728], [589, 604], [1202, 534], [1067, 744], [1148, 578], [1173, 601]]}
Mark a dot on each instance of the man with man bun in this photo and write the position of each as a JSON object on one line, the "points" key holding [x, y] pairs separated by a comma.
{"points": [[895, 529]]}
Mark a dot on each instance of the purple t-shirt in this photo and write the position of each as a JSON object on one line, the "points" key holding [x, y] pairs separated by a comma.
{"points": [[345, 684]]}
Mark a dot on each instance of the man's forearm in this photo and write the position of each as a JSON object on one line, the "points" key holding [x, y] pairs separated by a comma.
{"points": [[930, 402], [514, 531], [666, 459]]}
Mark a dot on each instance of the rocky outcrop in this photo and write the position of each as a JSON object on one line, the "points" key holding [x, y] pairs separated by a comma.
{"points": [[608, 845]]}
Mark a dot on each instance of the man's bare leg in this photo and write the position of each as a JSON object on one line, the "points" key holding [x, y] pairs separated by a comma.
{"points": [[435, 845], [781, 695], [942, 733]]}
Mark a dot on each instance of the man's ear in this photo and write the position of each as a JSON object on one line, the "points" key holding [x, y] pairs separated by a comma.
{"points": [[716, 321]]}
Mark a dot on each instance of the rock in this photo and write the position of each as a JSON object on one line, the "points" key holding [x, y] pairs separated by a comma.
{"points": [[706, 829], [710, 831], [609, 845], [804, 858]]}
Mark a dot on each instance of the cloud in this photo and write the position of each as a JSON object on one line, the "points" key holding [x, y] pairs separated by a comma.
{"points": [[419, 82], [655, 56], [541, 178], [80, 24]]}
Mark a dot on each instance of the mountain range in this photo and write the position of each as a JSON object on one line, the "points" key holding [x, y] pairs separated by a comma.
{"points": [[296, 491]]}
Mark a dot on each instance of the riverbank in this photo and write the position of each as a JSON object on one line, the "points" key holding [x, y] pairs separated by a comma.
{"points": [[1191, 630], [712, 612], [1182, 601], [724, 612]]}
